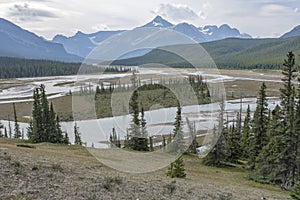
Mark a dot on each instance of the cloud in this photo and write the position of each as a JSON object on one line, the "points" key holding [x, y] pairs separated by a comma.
{"points": [[276, 9], [178, 12], [24, 12], [296, 10], [101, 27]]}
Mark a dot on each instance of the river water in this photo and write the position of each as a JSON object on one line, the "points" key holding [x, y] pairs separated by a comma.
{"points": [[159, 122]]}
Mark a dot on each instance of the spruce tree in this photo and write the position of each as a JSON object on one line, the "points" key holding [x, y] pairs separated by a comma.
{"points": [[178, 144], [66, 139], [77, 135], [176, 169], [114, 139], [233, 143], [192, 130], [45, 125], [17, 126], [1, 133], [258, 136], [279, 160], [269, 162], [9, 128], [138, 139], [5, 133], [288, 104], [245, 140], [218, 154]]}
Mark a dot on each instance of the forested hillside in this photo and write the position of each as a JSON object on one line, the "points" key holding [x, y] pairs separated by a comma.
{"points": [[228, 53]]}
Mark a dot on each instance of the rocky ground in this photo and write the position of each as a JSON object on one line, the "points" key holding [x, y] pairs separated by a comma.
{"points": [[50, 171]]}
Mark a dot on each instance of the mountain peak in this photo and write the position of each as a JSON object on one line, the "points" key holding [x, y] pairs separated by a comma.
{"points": [[159, 22]]}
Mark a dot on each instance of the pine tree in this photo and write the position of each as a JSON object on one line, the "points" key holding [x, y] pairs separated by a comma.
{"points": [[245, 140], [1, 133], [218, 154], [178, 145], [45, 124], [194, 144], [9, 128], [258, 136], [269, 164], [176, 169], [5, 133], [77, 135], [17, 127], [278, 161], [288, 104], [233, 143], [66, 139], [151, 148], [114, 139], [138, 139]]}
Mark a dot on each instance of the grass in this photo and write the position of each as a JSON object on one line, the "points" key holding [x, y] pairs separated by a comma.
{"points": [[219, 182]]}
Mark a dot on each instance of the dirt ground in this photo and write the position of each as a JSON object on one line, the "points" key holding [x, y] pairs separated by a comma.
{"points": [[69, 172]]}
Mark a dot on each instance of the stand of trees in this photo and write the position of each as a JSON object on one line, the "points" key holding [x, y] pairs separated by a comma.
{"points": [[19, 67], [44, 126], [270, 141]]}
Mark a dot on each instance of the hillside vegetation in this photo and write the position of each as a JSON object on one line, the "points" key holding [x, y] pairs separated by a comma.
{"points": [[228, 53]]}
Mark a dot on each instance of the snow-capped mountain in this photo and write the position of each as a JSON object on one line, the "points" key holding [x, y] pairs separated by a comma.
{"points": [[17, 42], [82, 44], [190, 31], [158, 22], [213, 33], [292, 33]]}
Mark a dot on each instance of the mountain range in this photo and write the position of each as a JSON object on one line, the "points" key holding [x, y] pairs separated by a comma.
{"points": [[81, 44], [17, 42]]}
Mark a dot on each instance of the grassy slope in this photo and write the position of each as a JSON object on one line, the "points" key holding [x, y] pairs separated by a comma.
{"points": [[70, 172]]}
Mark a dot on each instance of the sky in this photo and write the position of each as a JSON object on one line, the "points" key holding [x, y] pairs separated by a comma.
{"points": [[46, 18]]}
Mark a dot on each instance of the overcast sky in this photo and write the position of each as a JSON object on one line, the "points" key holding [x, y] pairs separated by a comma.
{"points": [[259, 18]]}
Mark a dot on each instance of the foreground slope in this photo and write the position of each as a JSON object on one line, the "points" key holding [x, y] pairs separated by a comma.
{"points": [[70, 172]]}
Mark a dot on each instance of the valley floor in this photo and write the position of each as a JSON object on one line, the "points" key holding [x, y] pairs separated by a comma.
{"points": [[69, 172]]}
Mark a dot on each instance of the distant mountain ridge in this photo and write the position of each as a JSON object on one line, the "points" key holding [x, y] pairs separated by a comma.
{"points": [[293, 33], [81, 44], [20, 43], [17, 42]]}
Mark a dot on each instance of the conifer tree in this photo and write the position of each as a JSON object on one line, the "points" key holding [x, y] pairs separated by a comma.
{"points": [[114, 139], [138, 139], [44, 126], [288, 104], [245, 140], [66, 139], [178, 144], [5, 133], [278, 161], [17, 126], [176, 169], [9, 128], [269, 162], [217, 155], [194, 144], [258, 138], [151, 148], [233, 143], [77, 135], [1, 133]]}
